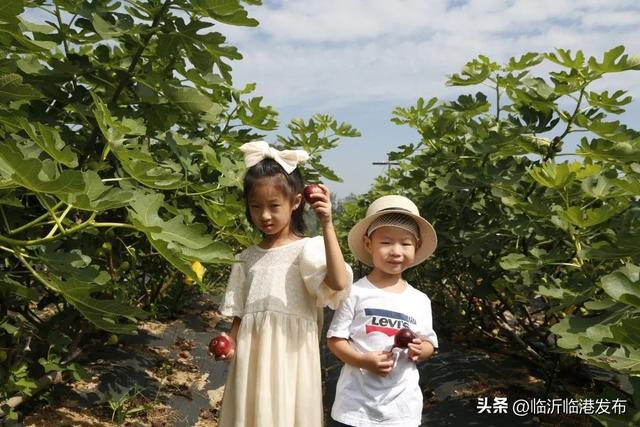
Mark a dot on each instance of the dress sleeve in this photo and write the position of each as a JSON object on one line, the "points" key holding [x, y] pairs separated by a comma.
{"points": [[426, 331], [313, 267], [236, 293]]}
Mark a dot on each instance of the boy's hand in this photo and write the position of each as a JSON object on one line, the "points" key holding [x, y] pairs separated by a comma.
{"points": [[378, 362], [420, 350], [415, 349], [321, 204], [232, 351]]}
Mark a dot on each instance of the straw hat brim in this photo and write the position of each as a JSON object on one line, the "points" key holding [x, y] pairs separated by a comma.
{"points": [[428, 238]]}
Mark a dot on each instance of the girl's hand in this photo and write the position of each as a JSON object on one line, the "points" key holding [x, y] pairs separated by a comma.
{"points": [[378, 362], [232, 350], [321, 204], [415, 349]]}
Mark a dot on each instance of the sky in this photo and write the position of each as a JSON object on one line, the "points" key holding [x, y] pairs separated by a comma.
{"points": [[359, 59]]}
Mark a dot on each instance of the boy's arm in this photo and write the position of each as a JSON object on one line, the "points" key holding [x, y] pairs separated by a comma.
{"points": [[420, 350], [378, 362]]}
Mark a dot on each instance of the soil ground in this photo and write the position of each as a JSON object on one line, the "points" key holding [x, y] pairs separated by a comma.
{"points": [[164, 377]]}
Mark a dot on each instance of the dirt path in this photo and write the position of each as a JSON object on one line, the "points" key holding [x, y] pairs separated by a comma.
{"points": [[163, 377], [160, 377]]}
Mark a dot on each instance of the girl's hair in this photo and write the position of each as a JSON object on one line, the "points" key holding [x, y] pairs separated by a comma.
{"points": [[291, 184]]}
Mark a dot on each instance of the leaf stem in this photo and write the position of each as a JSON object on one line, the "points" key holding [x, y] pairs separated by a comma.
{"points": [[35, 242], [226, 125], [575, 112], [35, 221], [498, 101], [35, 274], [44, 203], [113, 224], [202, 192], [55, 227], [4, 218], [130, 71]]}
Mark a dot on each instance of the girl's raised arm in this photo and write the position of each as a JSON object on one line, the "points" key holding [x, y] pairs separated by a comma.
{"points": [[337, 276]]}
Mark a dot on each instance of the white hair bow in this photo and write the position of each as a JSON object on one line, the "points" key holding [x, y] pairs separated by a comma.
{"points": [[256, 151]]}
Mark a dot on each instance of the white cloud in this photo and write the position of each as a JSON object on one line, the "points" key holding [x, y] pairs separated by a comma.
{"points": [[358, 59], [332, 53]]}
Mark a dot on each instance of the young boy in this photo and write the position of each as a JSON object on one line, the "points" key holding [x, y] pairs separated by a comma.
{"points": [[378, 385]]}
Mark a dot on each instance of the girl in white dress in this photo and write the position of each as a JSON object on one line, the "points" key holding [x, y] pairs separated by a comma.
{"points": [[275, 294]]}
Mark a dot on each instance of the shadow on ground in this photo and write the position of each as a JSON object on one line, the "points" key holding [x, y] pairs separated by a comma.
{"points": [[165, 370]]}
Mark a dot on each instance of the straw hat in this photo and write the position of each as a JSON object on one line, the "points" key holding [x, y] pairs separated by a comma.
{"points": [[392, 204]]}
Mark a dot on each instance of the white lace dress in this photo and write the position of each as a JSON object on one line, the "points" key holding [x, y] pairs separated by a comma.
{"points": [[274, 378]]}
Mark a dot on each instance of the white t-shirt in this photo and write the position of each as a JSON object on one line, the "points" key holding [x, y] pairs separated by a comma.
{"points": [[369, 317]]}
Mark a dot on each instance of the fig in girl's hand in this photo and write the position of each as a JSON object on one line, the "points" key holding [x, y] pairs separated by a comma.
{"points": [[403, 337], [220, 346], [309, 190]]}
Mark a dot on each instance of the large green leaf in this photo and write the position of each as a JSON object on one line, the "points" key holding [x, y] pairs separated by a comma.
{"points": [[614, 61], [559, 175], [10, 288], [49, 140], [253, 114], [599, 187], [519, 262], [593, 328], [563, 57], [10, 9], [553, 175], [623, 359], [627, 332], [36, 175], [623, 247], [191, 100], [12, 88], [630, 184], [603, 149], [103, 313], [624, 285], [527, 60], [71, 275], [146, 217], [180, 256], [138, 162], [73, 264], [96, 196], [451, 182], [470, 105], [589, 217], [186, 241], [227, 11], [106, 30], [612, 131], [474, 72], [611, 103]]}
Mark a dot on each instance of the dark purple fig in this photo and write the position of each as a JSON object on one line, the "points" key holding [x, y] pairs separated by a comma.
{"points": [[403, 337]]}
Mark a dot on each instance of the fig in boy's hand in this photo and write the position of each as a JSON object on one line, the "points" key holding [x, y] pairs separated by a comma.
{"points": [[403, 337], [220, 346], [309, 190]]}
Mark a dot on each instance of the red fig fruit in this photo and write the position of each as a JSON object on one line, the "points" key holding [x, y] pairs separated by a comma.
{"points": [[309, 190], [220, 346], [403, 337]]}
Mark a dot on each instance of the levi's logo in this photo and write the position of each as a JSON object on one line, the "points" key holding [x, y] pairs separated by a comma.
{"points": [[386, 321]]}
